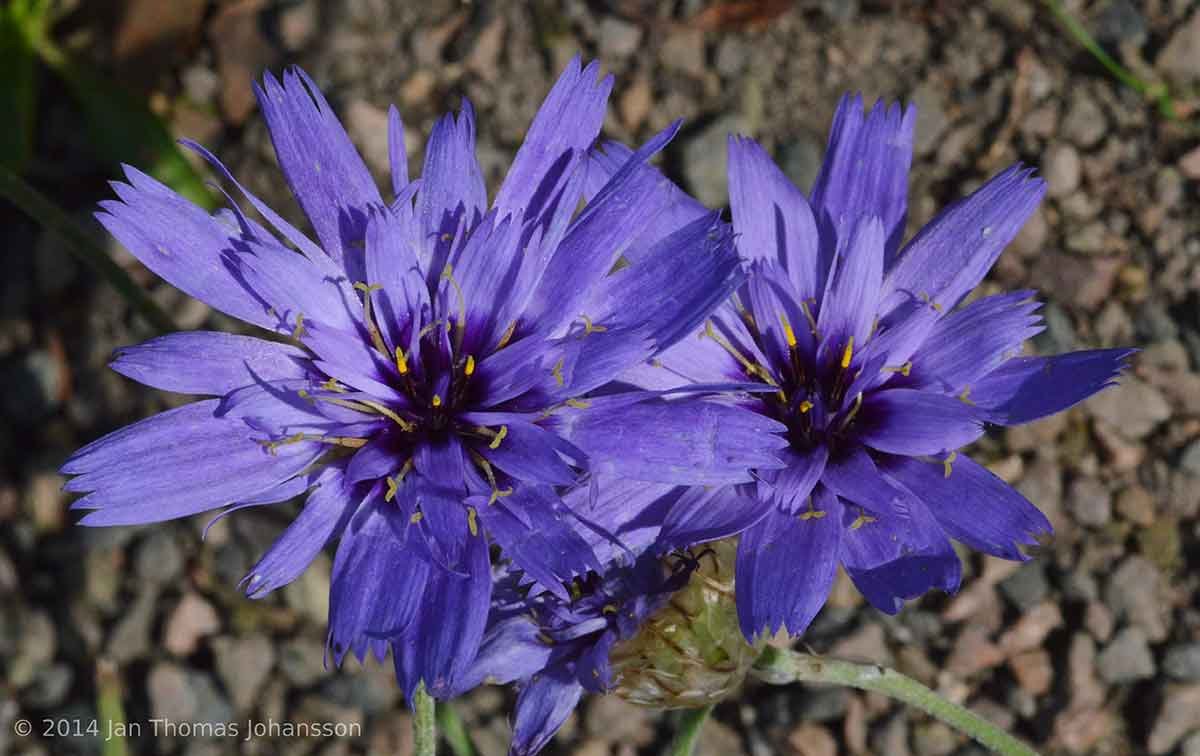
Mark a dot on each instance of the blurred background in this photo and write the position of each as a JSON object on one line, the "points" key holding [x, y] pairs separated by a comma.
{"points": [[1091, 648]]}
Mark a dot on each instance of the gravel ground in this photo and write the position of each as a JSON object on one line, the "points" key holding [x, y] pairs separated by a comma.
{"points": [[1093, 647]]}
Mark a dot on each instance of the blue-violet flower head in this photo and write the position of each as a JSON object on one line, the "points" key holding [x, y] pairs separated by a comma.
{"points": [[882, 370], [427, 384]]}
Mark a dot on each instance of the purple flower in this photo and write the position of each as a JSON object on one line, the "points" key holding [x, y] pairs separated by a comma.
{"points": [[557, 648], [881, 372], [428, 353]]}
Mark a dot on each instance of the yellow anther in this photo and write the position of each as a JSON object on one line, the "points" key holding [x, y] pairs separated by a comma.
{"points": [[965, 396], [578, 403], [392, 487], [903, 370], [507, 335], [405, 469], [447, 236], [556, 371], [499, 494], [436, 401], [805, 406], [929, 301], [848, 353], [788, 333], [609, 609], [472, 521], [416, 517], [401, 361], [470, 367], [298, 331], [589, 327], [863, 519], [332, 385], [367, 288], [946, 464], [495, 444]]}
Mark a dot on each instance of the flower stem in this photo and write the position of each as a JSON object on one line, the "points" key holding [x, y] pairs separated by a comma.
{"points": [[690, 725], [780, 667], [453, 730], [1153, 91], [424, 723], [40, 208]]}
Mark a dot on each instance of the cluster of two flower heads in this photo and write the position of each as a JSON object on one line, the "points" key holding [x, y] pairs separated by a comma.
{"points": [[508, 413]]}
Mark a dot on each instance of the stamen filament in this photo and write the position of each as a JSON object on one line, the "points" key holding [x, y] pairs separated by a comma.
{"points": [[368, 320], [390, 414], [460, 327], [495, 444], [812, 321], [863, 519], [366, 406], [946, 464], [506, 336], [750, 367], [350, 442], [498, 494], [812, 514], [858, 400]]}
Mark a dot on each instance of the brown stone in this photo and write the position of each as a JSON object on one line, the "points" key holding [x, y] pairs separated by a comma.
{"points": [[972, 653], [1033, 671], [811, 739], [1180, 715], [1033, 627]]}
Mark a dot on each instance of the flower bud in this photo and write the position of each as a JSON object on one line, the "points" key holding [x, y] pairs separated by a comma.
{"points": [[691, 651]]}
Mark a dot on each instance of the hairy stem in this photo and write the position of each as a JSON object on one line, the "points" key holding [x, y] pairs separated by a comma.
{"points": [[781, 667], [424, 723], [454, 731], [690, 725]]}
